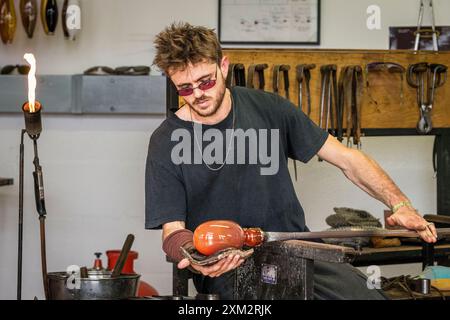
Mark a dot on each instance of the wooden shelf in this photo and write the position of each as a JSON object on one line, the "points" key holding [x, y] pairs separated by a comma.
{"points": [[84, 94]]}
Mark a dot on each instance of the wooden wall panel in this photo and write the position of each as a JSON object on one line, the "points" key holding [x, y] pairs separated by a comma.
{"points": [[383, 107]]}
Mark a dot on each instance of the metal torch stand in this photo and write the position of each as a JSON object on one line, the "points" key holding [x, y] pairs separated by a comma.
{"points": [[42, 214], [20, 242]]}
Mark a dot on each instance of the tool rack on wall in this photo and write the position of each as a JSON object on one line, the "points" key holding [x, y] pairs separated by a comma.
{"points": [[384, 112]]}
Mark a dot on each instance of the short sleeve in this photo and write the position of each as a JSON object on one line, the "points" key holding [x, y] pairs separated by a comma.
{"points": [[304, 137], [165, 194]]}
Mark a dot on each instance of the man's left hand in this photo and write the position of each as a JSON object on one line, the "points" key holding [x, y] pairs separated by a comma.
{"points": [[217, 269], [410, 219]]}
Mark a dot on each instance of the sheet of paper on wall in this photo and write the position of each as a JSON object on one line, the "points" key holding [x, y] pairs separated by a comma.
{"points": [[403, 38], [273, 21]]}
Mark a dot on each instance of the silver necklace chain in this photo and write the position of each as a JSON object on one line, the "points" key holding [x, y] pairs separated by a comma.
{"points": [[231, 138]]}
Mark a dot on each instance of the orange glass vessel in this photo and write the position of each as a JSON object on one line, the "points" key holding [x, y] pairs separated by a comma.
{"points": [[215, 235]]}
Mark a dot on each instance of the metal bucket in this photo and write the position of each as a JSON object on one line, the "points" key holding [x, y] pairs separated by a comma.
{"points": [[97, 286]]}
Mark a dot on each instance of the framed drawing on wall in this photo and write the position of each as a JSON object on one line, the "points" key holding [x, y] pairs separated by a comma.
{"points": [[269, 22]]}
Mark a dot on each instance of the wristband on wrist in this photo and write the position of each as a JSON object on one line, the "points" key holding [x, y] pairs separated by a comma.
{"points": [[402, 204], [176, 240]]}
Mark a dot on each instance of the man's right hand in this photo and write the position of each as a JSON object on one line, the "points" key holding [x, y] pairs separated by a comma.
{"points": [[222, 266]]}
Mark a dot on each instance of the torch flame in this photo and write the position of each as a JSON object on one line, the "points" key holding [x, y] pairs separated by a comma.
{"points": [[29, 57]]}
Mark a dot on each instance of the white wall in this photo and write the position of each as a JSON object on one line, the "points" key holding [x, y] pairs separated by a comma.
{"points": [[94, 165]]}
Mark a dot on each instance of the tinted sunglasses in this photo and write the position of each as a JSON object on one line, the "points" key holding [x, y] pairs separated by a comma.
{"points": [[22, 69], [204, 85]]}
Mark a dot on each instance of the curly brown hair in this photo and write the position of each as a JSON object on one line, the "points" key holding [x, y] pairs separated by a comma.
{"points": [[181, 44]]}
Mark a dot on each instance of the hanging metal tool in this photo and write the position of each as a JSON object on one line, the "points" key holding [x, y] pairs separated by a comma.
{"points": [[357, 87], [349, 103], [421, 31], [328, 98], [259, 69], [343, 101], [417, 78], [304, 77], [426, 78], [381, 66], [284, 68], [236, 75], [276, 78]]}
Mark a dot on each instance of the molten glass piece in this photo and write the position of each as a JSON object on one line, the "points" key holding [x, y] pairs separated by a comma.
{"points": [[215, 235]]}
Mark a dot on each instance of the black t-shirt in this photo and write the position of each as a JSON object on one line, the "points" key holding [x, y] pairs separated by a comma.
{"points": [[240, 192]]}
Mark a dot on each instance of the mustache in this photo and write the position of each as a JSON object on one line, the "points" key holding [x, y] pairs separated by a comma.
{"points": [[201, 99]]}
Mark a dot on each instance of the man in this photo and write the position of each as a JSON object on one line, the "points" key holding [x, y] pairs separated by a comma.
{"points": [[181, 194]]}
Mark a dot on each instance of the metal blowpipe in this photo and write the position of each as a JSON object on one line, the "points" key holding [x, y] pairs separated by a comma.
{"points": [[215, 235], [400, 233]]}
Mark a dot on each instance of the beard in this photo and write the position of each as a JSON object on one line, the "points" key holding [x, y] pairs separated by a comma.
{"points": [[213, 108]]}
